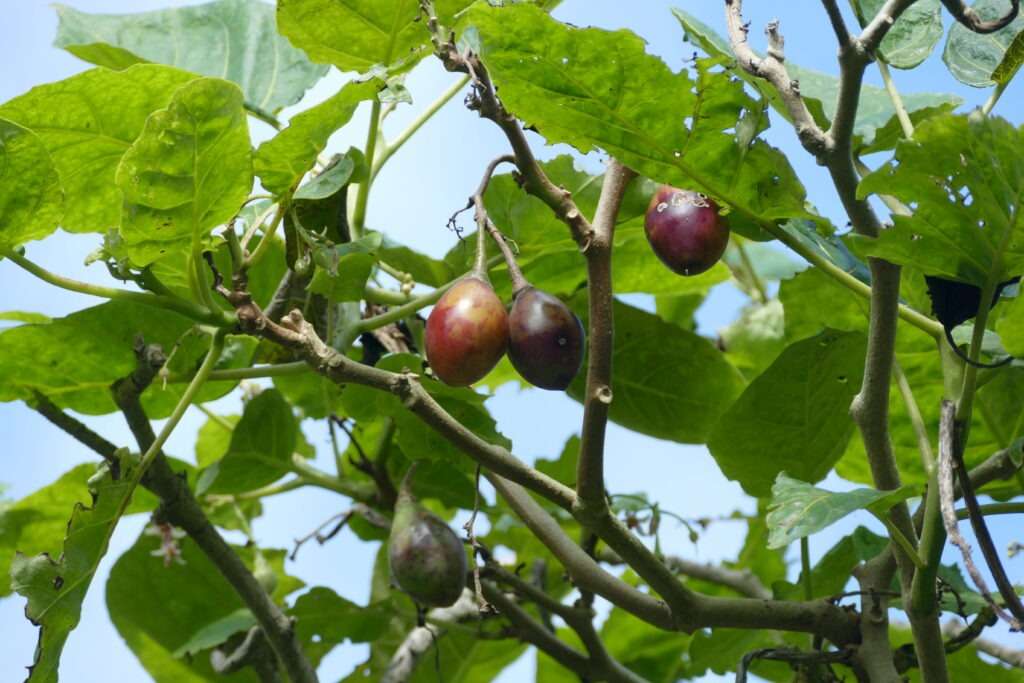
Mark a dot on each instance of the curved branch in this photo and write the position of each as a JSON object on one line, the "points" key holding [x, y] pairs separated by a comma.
{"points": [[420, 639], [970, 18]]}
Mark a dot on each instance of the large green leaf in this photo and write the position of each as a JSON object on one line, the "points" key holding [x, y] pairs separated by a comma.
{"points": [[356, 35], [31, 199], [914, 35], [55, 589], [650, 652], [972, 57], [668, 383], [282, 161], [87, 122], [592, 88], [189, 170], [875, 111], [964, 177], [799, 509], [159, 608], [232, 39], [324, 619], [1011, 62], [794, 416], [261, 447], [37, 523], [74, 360]]}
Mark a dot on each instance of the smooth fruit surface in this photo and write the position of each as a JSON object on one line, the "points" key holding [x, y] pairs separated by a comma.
{"points": [[685, 230], [545, 339], [467, 332], [427, 559]]}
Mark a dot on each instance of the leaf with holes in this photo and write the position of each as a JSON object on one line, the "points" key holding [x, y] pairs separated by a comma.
{"points": [[189, 170], [964, 178], [55, 589], [591, 88]]}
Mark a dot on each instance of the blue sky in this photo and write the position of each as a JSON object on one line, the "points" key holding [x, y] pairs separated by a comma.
{"points": [[411, 201]]}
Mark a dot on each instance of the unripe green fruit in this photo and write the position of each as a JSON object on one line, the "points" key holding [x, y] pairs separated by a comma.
{"points": [[428, 561]]}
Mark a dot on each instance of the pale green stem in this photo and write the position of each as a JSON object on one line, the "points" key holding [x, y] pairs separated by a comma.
{"points": [[280, 370], [216, 347], [263, 115], [748, 265], [186, 308], [805, 566], [377, 295], [202, 284], [363, 195], [403, 311], [990, 103], [214, 417], [895, 206], [425, 116], [916, 420], [994, 509], [267, 239], [909, 315], [897, 102]]}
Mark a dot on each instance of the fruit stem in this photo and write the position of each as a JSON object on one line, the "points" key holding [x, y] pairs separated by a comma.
{"points": [[519, 281], [405, 489], [480, 263]]}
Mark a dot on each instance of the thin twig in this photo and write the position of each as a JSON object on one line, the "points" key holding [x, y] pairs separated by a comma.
{"points": [[948, 463], [970, 18]]}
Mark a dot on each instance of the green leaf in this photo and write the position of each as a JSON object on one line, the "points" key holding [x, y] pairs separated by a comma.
{"points": [[189, 170], [564, 467], [592, 88], [1012, 61], [74, 360], [423, 269], [55, 589], [1011, 327], [755, 339], [312, 393], [37, 523], [357, 35], [158, 608], [324, 620], [794, 416], [799, 509], [329, 182], [669, 383], [651, 653], [914, 35], [875, 111], [261, 447], [213, 440], [216, 633], [973, 58], [87, 122], [232, 39], [350, 282], [282, 161], [31, 199], [965, 179], [25, 317]]}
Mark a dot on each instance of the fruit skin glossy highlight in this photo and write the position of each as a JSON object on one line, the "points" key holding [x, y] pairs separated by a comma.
{"points": [[685, 230], [545, 339], [428, 561], [467, 332]]}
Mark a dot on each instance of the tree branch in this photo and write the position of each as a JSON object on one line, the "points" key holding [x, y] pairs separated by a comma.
{"points": [[970, 18], [179, 507], [743, 582], [486, 103], [590, 492], [772, 68], [420, 639], [1007, 655]]}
